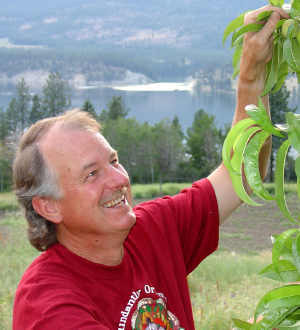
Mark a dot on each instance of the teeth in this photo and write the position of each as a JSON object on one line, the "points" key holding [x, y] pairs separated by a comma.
{"points": [[114, 202]]}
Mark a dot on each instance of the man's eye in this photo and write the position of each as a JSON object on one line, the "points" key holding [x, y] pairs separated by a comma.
{"points": [[115, 161], [92, 174]]}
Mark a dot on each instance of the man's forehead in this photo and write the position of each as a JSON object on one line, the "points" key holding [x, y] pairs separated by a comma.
{"points": [[60, 142], [57, 134]]}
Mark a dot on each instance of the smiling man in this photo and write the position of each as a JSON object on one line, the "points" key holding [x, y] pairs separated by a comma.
{"points": [[105, 264]]}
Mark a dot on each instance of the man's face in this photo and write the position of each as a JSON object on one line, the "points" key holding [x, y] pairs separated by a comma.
{"points": [[96, 201]]}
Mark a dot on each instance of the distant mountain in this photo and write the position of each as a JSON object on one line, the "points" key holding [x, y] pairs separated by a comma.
{"points": [[181, 24]]}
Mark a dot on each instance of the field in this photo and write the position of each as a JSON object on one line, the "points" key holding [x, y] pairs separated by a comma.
{"points": [[225, 285]]}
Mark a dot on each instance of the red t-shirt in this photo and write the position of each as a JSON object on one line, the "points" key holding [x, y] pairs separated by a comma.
{"points": [[147, 291]]}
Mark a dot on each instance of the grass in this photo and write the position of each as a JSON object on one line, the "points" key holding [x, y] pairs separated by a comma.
{"points": [[8, 202], [225, 285], [15, 256], [288, 187], [151, 190]]}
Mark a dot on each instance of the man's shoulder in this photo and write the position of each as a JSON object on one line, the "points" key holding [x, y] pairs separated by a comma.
{"points": [[45, 262]]}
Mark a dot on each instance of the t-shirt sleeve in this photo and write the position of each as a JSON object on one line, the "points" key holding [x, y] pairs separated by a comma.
{"points": [[197, 217], [190, 219]]}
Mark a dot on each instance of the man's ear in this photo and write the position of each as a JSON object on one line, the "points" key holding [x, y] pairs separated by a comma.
{"points": [[47, 208]]}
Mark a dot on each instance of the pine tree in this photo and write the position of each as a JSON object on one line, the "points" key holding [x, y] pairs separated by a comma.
{"points": [[13, 116], [178, 128], [22, 102], [56, 95], [202, 142], [117, 108], [89, 107], [36, 112], [3, 126]]}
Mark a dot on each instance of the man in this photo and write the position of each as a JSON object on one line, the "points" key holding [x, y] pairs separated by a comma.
{"points": [[107, 265]]}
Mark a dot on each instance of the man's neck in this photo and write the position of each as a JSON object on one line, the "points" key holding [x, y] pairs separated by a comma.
{"points": [[96, 250]]}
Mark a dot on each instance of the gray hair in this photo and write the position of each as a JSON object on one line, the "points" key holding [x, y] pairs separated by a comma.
{"points": [[32, 176]]}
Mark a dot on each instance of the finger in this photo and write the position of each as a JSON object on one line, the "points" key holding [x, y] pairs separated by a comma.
{"points": [[251, 17], [267, 31]]}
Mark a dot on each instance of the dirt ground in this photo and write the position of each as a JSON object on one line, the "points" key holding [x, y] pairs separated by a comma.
{"points": [[250, 228]]}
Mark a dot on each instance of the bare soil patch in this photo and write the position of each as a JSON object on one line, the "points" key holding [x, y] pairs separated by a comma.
{"points": [[249, 229]]}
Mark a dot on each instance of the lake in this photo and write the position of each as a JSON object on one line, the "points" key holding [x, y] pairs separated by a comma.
{"points": [[152, 102]]}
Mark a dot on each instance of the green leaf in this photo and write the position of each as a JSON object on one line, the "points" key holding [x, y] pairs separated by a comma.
{"points": [[252, 27], [260, 116], [287, 324], [294, 132], [296, 251], [294, 13], [297, 166], [298, 188], [286, 252], [274, 238], [279, 180], [234, 25], [242, 324], [288, 55], [273, 2], [278, 247], [279, 24], [297, 171], [288, 272], [272, 318], [296, 54], [287, 296], [271, 74], [295, 4], [237, 53], [236, 162], [272, 77], [239, 148], [279, 84], [251, 166], [282, 73], [236, 70], [264, 16], [230, 139]]}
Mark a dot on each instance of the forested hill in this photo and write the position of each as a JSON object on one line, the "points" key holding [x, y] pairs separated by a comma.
{"points": [[162, 39], [179, 23]]}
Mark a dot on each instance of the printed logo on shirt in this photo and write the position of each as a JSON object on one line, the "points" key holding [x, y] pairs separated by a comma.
{"points": [[150, 314], [153, 315]]}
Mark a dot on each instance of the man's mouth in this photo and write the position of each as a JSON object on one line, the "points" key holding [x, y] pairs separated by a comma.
{"points": [[117, 202]]}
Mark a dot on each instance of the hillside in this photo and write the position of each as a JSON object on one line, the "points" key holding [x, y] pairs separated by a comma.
{"points": [[163, 40], [121, 23]]}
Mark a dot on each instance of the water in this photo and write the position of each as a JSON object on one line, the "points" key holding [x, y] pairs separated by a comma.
{"points": [[152, 105]]}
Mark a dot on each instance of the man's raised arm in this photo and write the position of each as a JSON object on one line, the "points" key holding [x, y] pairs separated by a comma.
{"points": [[257, 52]]}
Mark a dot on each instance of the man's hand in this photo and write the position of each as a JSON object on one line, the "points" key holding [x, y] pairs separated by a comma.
{"points": [[258, 46]]}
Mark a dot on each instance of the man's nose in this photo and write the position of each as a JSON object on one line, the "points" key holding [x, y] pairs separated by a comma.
{"points": [[117, 177]]}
